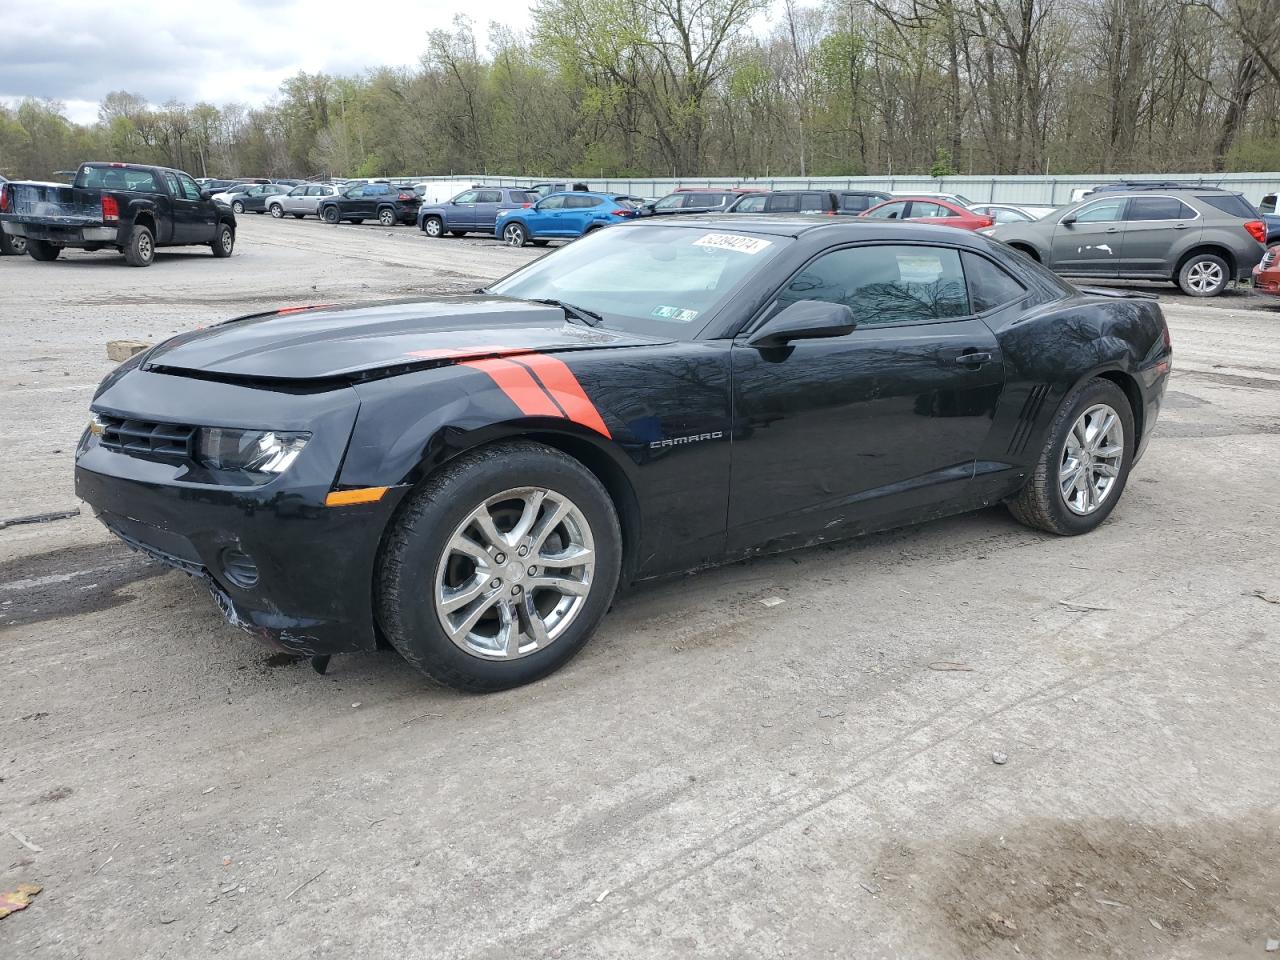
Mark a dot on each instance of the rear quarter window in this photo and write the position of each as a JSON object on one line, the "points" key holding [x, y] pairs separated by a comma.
{"points": [[1232, 204], [989, 286]]}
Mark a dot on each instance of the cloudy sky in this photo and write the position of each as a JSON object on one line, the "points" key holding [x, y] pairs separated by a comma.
{"points": [[229, 50]]}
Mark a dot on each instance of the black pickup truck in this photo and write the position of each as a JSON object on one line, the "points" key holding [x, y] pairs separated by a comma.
{"points": [[130, 207]]}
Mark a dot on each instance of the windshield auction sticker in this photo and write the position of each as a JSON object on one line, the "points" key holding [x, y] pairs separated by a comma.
{"points": [[733, 241], [674, 314]]}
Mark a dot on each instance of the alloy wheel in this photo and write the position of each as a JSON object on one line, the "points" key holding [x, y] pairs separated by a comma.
{"points": [[228, 239], [515, 574], [514, 235], [145, 249], [1091, 459], [1204, 276], [387, 218], [432, 227]]}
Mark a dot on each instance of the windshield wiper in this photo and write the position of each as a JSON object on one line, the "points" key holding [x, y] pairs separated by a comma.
{"points": [[581, 314]]}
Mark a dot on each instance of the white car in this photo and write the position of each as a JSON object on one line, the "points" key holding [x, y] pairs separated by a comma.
{"points": [[302, 201], [1012, 212]]}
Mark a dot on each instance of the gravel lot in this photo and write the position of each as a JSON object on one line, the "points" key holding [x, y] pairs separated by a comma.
{"points": [[712, 777]]}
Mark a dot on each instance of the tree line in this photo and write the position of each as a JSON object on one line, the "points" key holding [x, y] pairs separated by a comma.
{"points": [[616, 88]]}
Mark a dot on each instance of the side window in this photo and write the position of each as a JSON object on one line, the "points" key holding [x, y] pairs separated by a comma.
{"points": [[811, 202], [671, 202], [580, 203], [298, 192], [1105, 211], [553, 203], [190, 189], [1158, 208], [175, 188], [989, 286], [489, 196], [787, 203], [373, 190], [890, 211], [926, 208], [886, 283], [855, 201], [467, 196], [312, 192], [751, 205], [1005, 215]]}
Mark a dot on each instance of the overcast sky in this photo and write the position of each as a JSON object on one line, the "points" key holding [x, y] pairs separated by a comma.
{"points": [[226, 51]]}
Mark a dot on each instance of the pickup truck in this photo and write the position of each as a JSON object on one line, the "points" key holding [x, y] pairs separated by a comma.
{"points": [[130, 207]]}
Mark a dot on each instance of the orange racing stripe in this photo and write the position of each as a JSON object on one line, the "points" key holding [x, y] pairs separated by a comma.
{"points": [[565, 389], [519, 386]]}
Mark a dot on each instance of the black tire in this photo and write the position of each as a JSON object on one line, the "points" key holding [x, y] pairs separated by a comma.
{"points": [[329, 214], [1204, 275], [237, 206], [515, 234], [43, 250], [140, 248], [1041, 503], [277, 211], [224, 242], [416, 543], [458, 233], [11, 246], [433, 227], [387, 217]]}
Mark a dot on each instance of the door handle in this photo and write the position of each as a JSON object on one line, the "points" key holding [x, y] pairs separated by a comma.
{"points": [[1113, 229], [973, 358], [1179, 226]]}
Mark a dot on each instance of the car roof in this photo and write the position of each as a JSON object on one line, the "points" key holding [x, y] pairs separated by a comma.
{"points": [[797, 225]]}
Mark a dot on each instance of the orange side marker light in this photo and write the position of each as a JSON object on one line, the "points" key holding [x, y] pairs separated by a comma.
{"points": [[346, 498]]}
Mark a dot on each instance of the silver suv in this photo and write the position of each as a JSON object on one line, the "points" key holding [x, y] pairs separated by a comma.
{"points": [[1199, 239]]}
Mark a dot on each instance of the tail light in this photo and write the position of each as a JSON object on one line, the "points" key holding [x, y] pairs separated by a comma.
{"points": [[110, 209], [1257, 229], [622, 213], [406, 196], [4, 198]]}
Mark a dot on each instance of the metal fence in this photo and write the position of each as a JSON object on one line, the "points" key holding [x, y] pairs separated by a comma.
{"points": [[1034, 190]]}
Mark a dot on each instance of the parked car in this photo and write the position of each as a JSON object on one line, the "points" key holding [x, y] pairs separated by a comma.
{"points": [[688, 200], [929, 210], [250, 197], [1266, 275], [1011, 212], [956, 198], [302, 201], [11, 246], [367, 201], [130, 207], [831, 202], [661, 396], [563, 216], [1199, 239], [550, 187], [440, 191], [472, 211]]}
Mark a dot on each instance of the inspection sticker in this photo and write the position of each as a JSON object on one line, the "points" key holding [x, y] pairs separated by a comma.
{"points": [[674, 314], [733, 241]]}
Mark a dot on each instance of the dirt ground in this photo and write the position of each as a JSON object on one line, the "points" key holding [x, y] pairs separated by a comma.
{"points": [[713, 777]]}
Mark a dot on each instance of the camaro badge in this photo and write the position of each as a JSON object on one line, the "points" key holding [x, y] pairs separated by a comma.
{"points": [[681, 441]]}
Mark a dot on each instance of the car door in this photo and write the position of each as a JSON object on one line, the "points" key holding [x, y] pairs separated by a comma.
{"points": [[845, 432], [295, 201], [579, 212], [1088, 240], [206, 211], [1152, 226], [546, 219], [186, 213], [460, 212], [486, 209]]}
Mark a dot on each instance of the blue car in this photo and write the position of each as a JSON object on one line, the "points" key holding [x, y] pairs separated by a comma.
{"points": [[472, 211], [563, 216]]}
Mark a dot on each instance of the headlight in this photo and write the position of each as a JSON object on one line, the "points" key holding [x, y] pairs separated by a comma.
{"points": [[254, 451]]}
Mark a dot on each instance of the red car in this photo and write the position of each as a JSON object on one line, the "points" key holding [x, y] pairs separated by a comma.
{"points": [[1266, 275], [929, 210]]}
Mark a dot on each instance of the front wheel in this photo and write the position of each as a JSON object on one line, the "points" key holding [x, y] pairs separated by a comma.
{"points": [[277, 211], [515, 234], [225, 242], [387, 217], [1204, 275], [43, 250], [140, 249], [329, 214], [499, 567], [433, 227], [237, 206], [1085, 463]]}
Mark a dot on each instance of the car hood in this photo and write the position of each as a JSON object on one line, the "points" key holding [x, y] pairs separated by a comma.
{"points": [[352, 342]]}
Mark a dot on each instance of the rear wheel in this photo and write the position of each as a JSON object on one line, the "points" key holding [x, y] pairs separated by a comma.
{"points": [[515, 234], [43, 250], [225, 241], [11, 246], [329, 214], [140, 248], [1203, 275], [433, 227], [387, 217], [277, 211], [499, 567], [1083, 468]]}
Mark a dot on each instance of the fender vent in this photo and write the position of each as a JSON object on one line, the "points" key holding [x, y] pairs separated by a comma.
{"points": [[1027, 418]]}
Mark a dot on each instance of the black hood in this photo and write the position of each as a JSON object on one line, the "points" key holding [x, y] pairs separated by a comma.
{"points": [[348, 341]]}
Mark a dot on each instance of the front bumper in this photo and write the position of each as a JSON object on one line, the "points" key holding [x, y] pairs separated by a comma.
{"points": [[280, 564]]}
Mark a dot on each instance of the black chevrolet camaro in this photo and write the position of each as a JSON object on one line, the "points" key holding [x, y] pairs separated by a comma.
{"points": [[470, 479]]}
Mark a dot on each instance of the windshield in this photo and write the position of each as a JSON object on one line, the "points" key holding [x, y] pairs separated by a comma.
{"points": [[656, 280]]}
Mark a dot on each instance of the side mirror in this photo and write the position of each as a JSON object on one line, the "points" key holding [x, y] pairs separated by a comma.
{"points": [[206, 195], [805, 320], [1068, 221]]}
